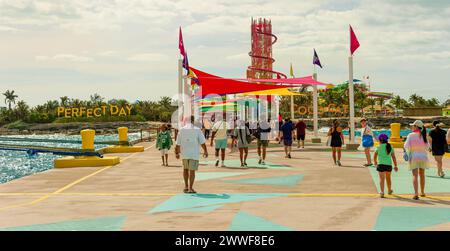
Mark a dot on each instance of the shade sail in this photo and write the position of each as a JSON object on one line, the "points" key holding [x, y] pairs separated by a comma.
{"points": [[280, 92], [210, 84]]}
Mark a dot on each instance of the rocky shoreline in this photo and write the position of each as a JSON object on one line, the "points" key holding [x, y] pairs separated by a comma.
{"points": [[101, 128], [381, 122]]}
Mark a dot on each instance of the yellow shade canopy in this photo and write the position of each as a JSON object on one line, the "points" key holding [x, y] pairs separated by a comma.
{"points": [[281, 92]]}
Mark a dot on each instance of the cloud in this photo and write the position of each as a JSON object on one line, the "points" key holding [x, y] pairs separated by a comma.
{"points": [[65, 58], [148, 57]]}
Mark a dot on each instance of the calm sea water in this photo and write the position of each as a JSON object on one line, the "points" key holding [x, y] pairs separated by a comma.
{"points": [[16, 164]]}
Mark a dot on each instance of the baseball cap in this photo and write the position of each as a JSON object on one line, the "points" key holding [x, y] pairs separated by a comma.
{"points": [[417, 123]]}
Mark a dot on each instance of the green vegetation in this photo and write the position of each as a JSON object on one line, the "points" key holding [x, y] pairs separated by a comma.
{"points": [[17, 114], [339, 96]]}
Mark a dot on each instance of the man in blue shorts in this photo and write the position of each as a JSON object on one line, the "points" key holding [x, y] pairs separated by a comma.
{"points": [[286, 133]]}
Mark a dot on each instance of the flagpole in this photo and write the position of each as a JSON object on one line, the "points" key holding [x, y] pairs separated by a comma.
{"points": [[351, 97], [180, 92], [316, 138]]}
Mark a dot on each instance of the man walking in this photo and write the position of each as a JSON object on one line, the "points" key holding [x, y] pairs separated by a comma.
{"points": [[262, 135], [219, 136], [286, 131], [301, 132], [189, 140]]}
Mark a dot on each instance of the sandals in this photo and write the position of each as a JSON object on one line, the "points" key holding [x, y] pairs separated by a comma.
{"points": [[381, 195], [185, 190], [423, 195], [416, 197], [391, 192], [192, 191]]}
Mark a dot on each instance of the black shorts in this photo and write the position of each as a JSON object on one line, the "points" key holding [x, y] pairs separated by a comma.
{"points": [[301, 137], [384, 168]]}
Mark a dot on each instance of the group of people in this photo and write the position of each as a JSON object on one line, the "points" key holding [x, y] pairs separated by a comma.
{"points": [[416, 147], [193, 136]]}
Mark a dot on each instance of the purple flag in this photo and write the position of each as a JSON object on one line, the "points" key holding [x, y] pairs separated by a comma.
{"points": [[316, 59]]}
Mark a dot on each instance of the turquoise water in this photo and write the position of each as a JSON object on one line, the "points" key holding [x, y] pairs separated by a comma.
{"points": [[403, 133], [16, 164]]}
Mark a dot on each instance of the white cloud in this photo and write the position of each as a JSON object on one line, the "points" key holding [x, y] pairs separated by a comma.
{"points": [[401, 41], [65, 58], [148, 57]]}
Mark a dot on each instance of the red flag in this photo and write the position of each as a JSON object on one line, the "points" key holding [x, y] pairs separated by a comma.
{"points": [[354, 44], [181, 44]]}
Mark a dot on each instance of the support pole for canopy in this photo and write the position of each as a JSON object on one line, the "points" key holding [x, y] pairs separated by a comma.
{"points": [[352, 144], [316, 138], [292, 107], [180, 91]]}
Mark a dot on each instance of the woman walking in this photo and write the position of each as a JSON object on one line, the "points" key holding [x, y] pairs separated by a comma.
{"points": [[163, 143], [243, 137], [438, 142], [383, 158], [416, 147], [367, 140], [337, 140]]}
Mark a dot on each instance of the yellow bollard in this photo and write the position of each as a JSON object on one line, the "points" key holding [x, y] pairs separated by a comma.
{"points": [[123, 137], [87, 143], [395, 132], [123, 133], [395, 140], [87, 139]]}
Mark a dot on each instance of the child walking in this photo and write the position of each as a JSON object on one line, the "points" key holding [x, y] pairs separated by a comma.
{"points": [[163, 143], [383, 158]]}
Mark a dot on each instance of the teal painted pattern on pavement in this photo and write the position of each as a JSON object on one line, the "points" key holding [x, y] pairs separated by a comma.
{"points": [[247, 222], [289, 180], [410, 218], [96, 224]]}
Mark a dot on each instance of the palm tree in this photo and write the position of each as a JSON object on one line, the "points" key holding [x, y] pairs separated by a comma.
{"points": [[64, 101], [372, 102], [96, 99], [22, 110], [10, 97]]}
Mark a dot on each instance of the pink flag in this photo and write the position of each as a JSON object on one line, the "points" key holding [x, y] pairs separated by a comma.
{"points": [[354, 44], [181, 44]]}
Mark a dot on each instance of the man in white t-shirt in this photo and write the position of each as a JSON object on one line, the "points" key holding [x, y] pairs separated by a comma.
{"points": [[189, 140], [220, 138]]}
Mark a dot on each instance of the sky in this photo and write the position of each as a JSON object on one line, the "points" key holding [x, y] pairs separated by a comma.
{"points": [[129, 48]]}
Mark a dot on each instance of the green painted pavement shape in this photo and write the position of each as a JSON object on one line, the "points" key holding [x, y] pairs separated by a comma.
{"points": [[96, 224], [410, 218], [200, 209], [248, 222], [402, 181], [189, 201], [290, 180], [252, 163], [199, 176]]}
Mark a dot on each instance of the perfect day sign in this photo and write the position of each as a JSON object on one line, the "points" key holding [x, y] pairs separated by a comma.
{"points": [[89, 112]]}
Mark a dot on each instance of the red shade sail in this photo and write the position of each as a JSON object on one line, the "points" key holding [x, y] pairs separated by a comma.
{"points": [[211, 84]]}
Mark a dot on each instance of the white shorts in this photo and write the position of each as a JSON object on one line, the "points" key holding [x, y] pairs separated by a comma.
{"points": [[164, 151]]}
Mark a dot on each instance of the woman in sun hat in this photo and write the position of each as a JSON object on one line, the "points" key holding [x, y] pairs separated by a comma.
{"points": [[416, 147], [438, 142], [383, 158]]}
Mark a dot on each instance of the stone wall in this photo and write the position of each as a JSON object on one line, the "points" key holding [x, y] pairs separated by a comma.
{"points": [[428, 111], [379, 122]]}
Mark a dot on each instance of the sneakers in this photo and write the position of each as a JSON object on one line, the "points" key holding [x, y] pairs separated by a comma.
{"points": [[391, 192], [338, 163], [260, 161], [217, 163], [289, 156], [223, 165], [381, 195]]}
